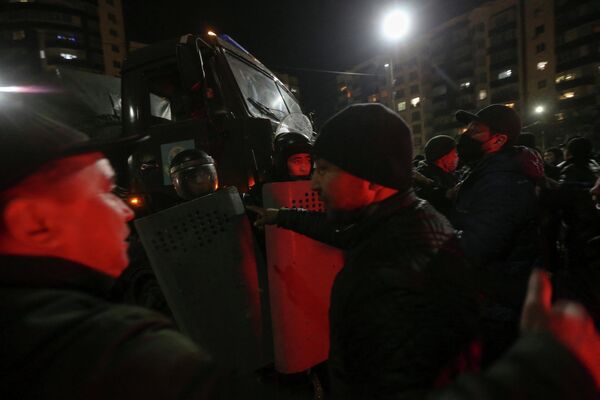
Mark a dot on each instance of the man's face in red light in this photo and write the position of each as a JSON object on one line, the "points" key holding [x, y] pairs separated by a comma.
{"points": [[95, 227], [449, 162], [339, 190], [299, 165]]}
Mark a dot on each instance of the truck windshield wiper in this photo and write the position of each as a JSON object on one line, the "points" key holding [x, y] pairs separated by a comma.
{"points": [[265, 109]]}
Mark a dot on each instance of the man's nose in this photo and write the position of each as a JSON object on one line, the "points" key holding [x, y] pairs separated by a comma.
{"points": [[128, 213]]}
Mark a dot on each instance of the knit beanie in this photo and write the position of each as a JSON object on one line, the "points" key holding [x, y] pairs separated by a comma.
{"points": [[438, 146], [369, 141]]}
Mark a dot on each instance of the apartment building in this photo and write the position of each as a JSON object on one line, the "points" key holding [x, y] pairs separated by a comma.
{"points": [[541, 57], [44, 34]]}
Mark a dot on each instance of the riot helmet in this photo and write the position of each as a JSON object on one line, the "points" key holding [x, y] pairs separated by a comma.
{"points": [[193, 174], [293, 158]]}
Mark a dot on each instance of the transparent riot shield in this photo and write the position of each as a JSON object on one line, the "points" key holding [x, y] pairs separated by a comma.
{"points": [[203, 255], [301, 273]]}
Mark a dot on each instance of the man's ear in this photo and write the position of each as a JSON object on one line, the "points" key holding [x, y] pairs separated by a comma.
{"points": [[29, 222], [496, 143], [501, 139]]}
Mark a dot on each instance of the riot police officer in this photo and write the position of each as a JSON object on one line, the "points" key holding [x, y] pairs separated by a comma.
{"points": [[193, 174], [293, 160]]}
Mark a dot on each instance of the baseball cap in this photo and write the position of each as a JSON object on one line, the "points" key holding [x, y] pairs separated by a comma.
{"points": [[500, 119], [30, 139]]}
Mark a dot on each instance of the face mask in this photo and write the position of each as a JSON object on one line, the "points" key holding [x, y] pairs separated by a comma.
{"points": [[469, 149]]}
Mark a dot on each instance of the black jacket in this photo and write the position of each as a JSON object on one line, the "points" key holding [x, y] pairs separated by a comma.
{"points": [[496, 212], [402, 309], [572, 215], [60, 338], [436, 192]]}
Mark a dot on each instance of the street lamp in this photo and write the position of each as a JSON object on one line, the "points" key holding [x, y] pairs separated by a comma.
{"points": [[395, 25], [539, 110]]}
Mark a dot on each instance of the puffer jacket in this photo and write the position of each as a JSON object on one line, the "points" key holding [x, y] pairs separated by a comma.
{"points": [[403, 308], [495, 211]]}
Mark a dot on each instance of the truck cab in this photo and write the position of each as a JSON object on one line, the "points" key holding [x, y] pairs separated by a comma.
{"points": [[206, 93]]}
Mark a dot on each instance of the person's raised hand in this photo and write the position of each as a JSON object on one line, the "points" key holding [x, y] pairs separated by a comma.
{"points": [[568, 321], [266, 216]]}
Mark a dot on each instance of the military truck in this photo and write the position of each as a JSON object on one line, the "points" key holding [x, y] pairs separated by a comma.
{"points": [[208, 93]]}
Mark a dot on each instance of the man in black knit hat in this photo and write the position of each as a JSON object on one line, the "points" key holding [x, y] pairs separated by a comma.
{"points": [[402, 310], [402, 314]]}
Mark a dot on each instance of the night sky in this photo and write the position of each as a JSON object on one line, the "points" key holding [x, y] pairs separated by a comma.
{"points": [[288, 35]]}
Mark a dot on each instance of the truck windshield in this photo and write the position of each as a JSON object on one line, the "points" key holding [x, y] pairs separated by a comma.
{"points": [[261, 93]]}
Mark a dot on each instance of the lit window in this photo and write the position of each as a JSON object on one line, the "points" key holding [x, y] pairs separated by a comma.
{"points": [[461, 130], [66, 37], [294, 90], [482, 94], [373, 98], [42, 54], [564, 78], [505, 74], [560, 116], [18, 35], [68, 56], [567, 95], [415, 101], [541, 66], [343, 88], [465, 85], [401, 106], [510, 105]]}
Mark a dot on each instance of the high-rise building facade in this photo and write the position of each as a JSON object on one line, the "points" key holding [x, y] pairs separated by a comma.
{"points": [[44, 34], [577, 72], [541, 57]]}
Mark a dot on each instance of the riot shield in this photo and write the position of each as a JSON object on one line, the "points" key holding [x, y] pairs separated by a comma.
{"points": [[301, 273], [203, 255]]}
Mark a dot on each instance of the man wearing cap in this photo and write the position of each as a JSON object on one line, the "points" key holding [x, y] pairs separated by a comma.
{"points": [[62, 241], [402, 311], [495, 212], [441, 160]]}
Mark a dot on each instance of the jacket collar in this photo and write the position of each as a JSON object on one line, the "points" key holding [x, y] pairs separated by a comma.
{"points": [[56, 273], [375, 215]]}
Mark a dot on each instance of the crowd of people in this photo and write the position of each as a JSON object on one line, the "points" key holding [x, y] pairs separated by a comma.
{"points": [[446, 291]]}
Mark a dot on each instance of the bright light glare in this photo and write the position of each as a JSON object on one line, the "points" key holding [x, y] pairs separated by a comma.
{"points": [[539, 109], [386, 65], [211, 33], [25, 89], [396, 24]]}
